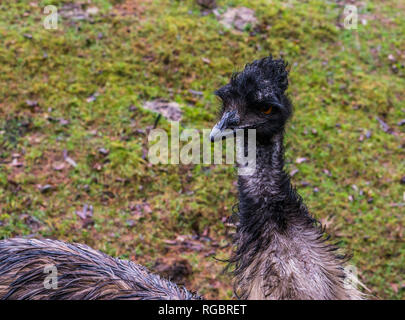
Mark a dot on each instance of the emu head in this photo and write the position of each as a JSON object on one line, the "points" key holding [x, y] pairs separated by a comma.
{"points": [[255, 99]]}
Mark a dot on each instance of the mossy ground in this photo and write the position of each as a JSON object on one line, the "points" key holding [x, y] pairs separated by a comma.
{"points": [[341, 81]]}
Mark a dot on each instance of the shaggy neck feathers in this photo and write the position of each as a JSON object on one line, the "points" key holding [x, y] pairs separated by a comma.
{"points": [[280, 249]]}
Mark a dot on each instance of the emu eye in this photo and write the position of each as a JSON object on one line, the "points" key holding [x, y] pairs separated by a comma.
{"points": [[266, 110]]}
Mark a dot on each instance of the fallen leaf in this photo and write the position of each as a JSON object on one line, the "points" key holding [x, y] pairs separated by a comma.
{"points": [[69, 159], [93, 97], [16, 163], [384, 126], [31, 103], [86, 212], [46, 188], [301, 160], [197, 93], [206, 60], [294, 172]]}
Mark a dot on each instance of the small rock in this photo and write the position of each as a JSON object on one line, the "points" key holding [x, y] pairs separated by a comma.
{"points": [[239, 18]]}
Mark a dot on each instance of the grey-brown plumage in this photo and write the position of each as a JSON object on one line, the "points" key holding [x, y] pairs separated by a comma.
{"points": [[82, 274]]}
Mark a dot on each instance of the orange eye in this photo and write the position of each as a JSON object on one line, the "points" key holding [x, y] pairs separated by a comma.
{"points": [[267, 110]]}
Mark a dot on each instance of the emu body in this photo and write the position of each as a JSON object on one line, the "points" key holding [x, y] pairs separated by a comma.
{"points": [[82, 274]]}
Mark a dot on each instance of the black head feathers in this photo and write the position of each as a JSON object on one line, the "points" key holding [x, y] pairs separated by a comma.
{"points": [[255, 99], [260, 79]]}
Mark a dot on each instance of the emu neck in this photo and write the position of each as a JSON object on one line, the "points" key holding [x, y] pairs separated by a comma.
{"points": [[269, 191], [280, 251]]}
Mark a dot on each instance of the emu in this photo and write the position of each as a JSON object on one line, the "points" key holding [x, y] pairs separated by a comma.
{"points": [[280, 250]]}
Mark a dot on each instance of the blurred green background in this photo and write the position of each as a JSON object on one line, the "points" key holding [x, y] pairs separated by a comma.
{"points": [[73, 131]]}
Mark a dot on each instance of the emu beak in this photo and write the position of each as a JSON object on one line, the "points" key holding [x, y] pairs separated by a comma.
{"points": [[221, 130]]}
